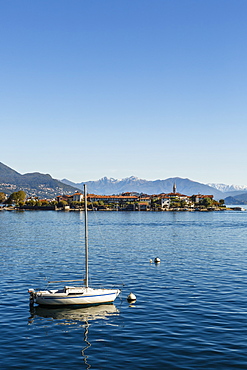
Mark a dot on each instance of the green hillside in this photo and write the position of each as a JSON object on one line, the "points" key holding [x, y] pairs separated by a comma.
{"points": [[34, 184]]}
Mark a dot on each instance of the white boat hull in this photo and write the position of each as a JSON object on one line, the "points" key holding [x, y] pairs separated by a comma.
{"points": [[71, 296]]}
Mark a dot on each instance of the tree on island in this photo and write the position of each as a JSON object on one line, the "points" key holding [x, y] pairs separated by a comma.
{"points": [[17, 197], [2, 197], [221, 202], [207, 202]]}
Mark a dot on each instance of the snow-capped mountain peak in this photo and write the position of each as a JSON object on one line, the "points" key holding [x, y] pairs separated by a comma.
{"points": [[226, 188]]}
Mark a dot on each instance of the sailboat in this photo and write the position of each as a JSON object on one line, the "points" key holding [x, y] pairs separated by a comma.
{"points": [[75, 295]]}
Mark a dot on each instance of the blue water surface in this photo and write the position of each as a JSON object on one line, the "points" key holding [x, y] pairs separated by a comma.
{"points": [[191, 309]]}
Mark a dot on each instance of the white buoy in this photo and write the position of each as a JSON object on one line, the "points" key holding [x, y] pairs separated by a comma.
{"points": [[131, 297], [157, 260]]}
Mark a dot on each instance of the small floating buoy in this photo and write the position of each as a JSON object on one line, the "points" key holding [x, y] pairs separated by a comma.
{"points": [[157, 260], [131, 297], [31, 297]]}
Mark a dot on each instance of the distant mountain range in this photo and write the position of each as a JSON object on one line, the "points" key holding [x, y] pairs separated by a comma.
{"points": [[107, 186], [44, 186], [233, 194]]}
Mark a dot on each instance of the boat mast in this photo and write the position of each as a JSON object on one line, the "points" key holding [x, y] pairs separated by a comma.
{"points": [[86, 236]]}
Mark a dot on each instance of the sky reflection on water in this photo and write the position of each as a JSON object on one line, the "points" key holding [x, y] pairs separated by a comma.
{"points": [[190, 311]]}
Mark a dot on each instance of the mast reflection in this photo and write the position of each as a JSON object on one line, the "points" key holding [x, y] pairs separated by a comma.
{"points": [[83, 316]]}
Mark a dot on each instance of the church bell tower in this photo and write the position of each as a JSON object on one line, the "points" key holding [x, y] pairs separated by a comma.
{"points": [[174, 188]]}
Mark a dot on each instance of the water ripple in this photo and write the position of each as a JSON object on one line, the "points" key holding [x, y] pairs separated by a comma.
{"points": [[191, 309]]}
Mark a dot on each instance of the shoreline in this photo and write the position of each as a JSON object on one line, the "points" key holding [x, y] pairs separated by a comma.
{"points": [[217, 209]]}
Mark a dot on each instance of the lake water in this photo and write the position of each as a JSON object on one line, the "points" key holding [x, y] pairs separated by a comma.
{"points": [[191, 309]]}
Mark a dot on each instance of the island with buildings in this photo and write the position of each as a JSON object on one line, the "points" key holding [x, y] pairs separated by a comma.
{"points": [[128, 201]]}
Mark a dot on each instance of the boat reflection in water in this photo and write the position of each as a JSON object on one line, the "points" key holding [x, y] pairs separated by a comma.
{"points": [[103, 311], [71, 316]]}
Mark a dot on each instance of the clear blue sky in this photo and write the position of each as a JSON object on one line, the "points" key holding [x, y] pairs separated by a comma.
{"points": [[154, 89]]}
